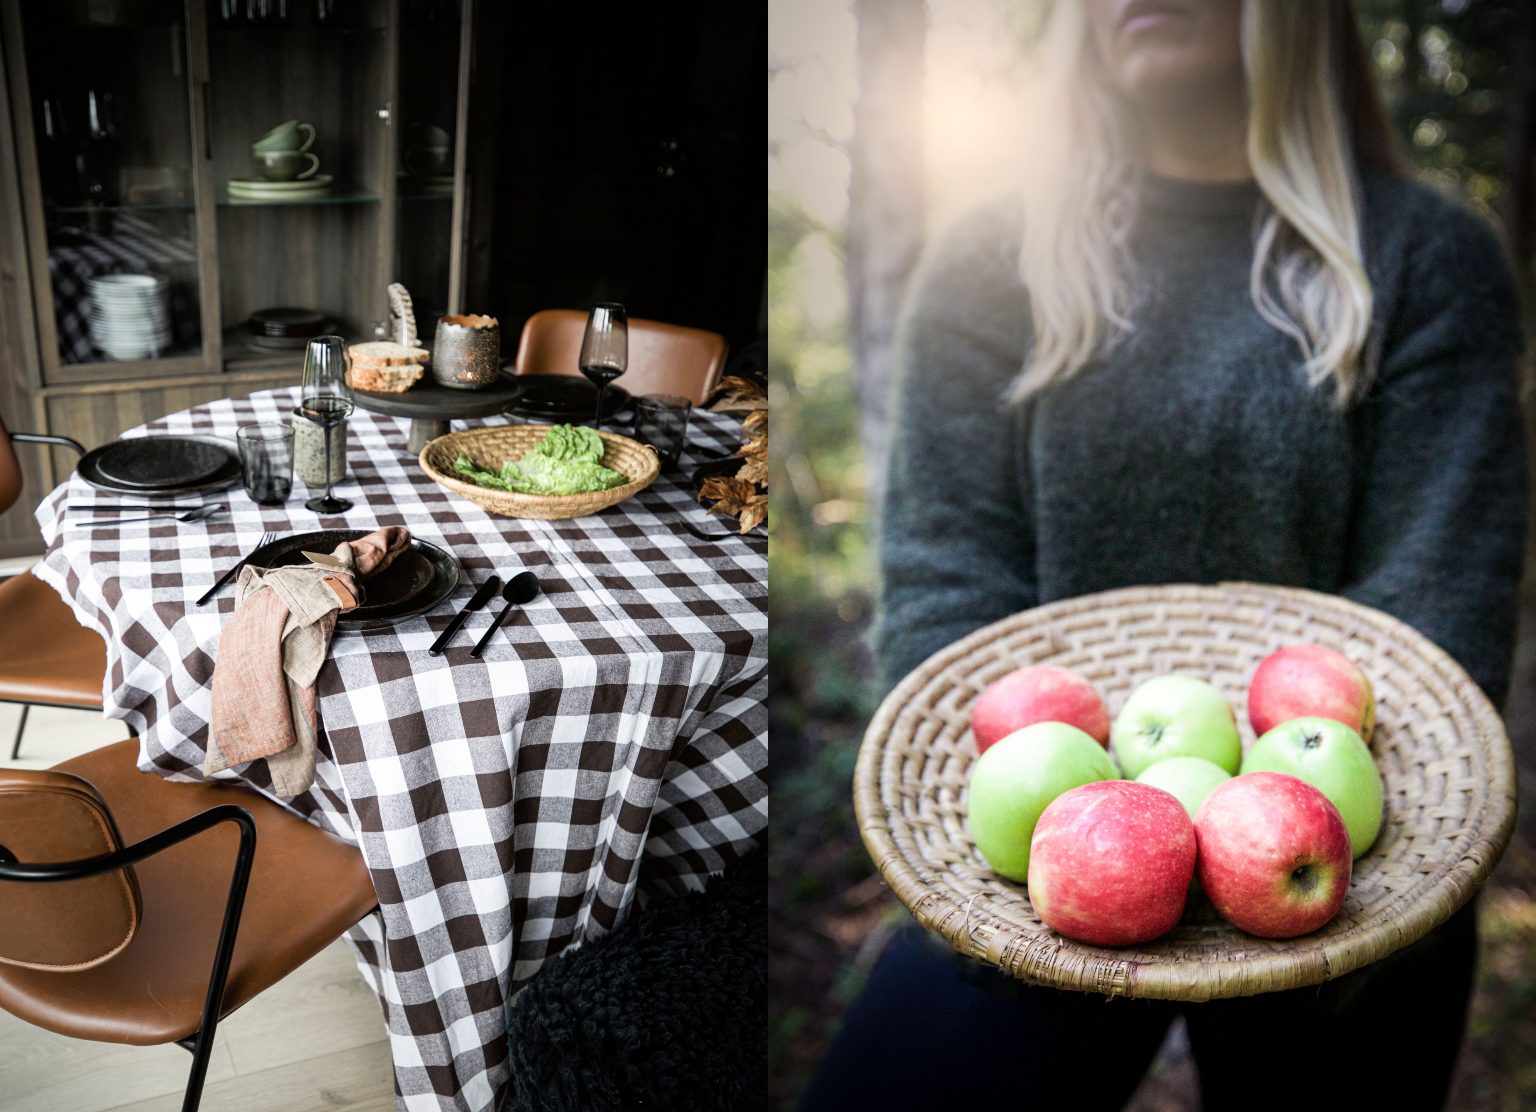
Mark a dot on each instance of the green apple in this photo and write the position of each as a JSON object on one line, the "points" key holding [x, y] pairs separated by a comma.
{"points": [[1187, 779], [1175, 716], [1012, 782], [1333, 759]]}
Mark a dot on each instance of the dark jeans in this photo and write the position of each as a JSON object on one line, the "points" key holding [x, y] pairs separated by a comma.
{"points": [[934, 1030]]}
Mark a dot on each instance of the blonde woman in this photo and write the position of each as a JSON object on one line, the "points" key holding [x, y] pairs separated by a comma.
{"points": [[1226, 339]]}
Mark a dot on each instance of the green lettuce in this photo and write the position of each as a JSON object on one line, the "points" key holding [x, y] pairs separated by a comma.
{"points": [[566, 461]]}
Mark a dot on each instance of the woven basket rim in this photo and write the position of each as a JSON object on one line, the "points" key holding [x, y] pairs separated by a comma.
{"points": [[539, 505], [1309, 960]]}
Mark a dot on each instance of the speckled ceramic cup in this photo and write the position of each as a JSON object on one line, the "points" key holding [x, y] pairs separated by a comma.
{"points": [[309, 451], [467, 352]]}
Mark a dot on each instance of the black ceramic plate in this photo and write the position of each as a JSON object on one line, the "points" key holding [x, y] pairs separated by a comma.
{"points": [[564, 398], [416, 582], [286, 322], [160, 461], [226, 474]]}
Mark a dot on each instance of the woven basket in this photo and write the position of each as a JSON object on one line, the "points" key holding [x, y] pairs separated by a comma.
{"points": [[489, 448], [1440, 745]]}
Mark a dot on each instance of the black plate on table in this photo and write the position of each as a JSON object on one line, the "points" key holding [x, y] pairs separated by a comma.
{"points": [[160, 461], [416, 582], [228, 472], [564, 398]]}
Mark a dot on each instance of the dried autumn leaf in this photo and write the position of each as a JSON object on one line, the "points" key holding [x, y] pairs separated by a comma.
{"points": [[754, 471], [738, 395], [750, 423], [727, 487], [754, 514]]}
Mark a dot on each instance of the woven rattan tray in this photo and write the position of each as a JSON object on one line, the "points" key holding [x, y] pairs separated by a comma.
{"points": [[489, 448], [1440, 745]]}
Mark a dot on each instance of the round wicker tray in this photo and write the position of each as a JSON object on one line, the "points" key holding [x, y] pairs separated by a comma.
{"points": [[1440, 745], [490, 447]]}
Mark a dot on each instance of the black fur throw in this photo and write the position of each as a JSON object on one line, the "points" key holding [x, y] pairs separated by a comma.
{"points": [[669, 1012]]}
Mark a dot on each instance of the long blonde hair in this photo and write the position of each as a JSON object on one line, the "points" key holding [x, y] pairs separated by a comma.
{"points": [[1312, 112]]}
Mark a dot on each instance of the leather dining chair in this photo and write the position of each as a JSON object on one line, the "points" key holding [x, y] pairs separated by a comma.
{"points": [[139, 910], [47, 658], [663, 358]]}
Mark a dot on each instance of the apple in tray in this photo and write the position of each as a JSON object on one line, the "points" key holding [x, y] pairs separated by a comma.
{"points": [[1175, 716], [1111, 863], [1274, 854], [1310, 681], [1014, 780], [1187, 779], [1041, 693], [1333, 759]]}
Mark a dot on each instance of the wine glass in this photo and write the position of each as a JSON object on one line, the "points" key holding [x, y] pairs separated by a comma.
{"points": [[605, 349], [325, 401]]}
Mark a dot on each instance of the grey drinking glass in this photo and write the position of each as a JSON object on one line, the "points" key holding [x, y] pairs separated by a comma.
{"points": [[604, 349], [326, 401], [266, 462], [661, 420]]}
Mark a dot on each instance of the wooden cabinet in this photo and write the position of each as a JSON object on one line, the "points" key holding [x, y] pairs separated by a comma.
{"points": [[122, 125]]}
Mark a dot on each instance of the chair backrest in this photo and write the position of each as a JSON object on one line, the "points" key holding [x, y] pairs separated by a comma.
{"points": [[10, 470], [663, 358], [49, 817]]}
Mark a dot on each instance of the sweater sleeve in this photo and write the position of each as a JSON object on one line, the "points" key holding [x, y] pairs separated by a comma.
{"points": [[956, 550], [1438, 533]]}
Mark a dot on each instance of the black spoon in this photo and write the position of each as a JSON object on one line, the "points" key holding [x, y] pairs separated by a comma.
{"points": [[522, 587], [483, 595]]}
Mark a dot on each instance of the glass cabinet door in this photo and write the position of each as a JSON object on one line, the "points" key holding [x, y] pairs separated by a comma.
{"points": [[427, 111], [298, 109], [106, 82]]}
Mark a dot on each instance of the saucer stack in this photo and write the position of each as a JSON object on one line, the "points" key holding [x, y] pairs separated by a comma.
{"points": [[283, 329], [129, 315], [256, 191]]}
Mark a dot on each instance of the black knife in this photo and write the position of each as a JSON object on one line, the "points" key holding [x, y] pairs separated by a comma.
{"points": [[482, 596]]}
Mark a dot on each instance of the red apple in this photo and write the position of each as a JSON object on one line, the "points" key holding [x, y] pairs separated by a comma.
{"points": [[1110, 863], [1274, 854], [1310, 681], [1042, 693]]}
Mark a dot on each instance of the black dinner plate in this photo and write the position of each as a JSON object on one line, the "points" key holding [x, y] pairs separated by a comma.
{"points": [[286, 321], [564, 398], [227, 473], [417, 581], [160, 461]]}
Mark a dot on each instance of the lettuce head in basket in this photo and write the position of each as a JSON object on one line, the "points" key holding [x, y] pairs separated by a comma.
{"points": [[566, 461]]}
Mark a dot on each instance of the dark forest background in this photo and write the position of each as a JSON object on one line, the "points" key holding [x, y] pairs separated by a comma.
{"points": [[1460, 80]]}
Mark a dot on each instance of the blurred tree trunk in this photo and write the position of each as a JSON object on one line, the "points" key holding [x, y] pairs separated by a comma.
{"points": [[885, 206]]}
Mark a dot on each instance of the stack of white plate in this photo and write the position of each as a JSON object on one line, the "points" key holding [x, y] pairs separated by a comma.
{"points": [[130, 318]]}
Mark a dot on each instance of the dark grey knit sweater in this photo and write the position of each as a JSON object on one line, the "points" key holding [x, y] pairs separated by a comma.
{"points": [[1195, 451]]}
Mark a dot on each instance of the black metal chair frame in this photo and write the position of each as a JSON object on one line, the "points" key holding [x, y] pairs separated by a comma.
{"points": [[27, 704], [201, 1043]]}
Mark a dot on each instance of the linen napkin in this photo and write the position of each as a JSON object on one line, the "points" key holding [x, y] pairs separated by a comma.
{"points": [[271, 652]]}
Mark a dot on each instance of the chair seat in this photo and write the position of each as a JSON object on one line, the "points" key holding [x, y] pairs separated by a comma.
{"points": [[46, 656], [307, 886]]}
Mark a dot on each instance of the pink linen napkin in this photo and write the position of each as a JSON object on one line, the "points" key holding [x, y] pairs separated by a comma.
{"points": [[271, 651]]}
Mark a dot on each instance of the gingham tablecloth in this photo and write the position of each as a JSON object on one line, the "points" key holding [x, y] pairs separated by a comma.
{"points": [[613, 738]]}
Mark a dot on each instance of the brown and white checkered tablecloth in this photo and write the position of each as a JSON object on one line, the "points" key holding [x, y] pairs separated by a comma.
{"points": [[612, 739]]}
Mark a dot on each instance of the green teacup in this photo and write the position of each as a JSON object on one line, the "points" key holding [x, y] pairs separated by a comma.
{"points": [[286, 165], [285, 137]]}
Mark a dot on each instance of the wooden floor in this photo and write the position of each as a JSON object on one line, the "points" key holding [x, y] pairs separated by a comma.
{"points": [[313, 1042]]}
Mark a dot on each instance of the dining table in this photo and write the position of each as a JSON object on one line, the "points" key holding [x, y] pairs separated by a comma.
{"points": [[609, 748]]}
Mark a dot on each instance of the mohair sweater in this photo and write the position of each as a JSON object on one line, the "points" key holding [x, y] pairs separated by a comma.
{"points": [[1195, 451]]}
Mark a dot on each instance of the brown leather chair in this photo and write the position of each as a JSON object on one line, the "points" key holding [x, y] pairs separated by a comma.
{"points": [[120, 890], [663, 358], [47, 658]]}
